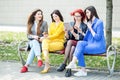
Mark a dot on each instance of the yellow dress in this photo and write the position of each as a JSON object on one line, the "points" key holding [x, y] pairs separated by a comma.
{"points": [[56, 39]]}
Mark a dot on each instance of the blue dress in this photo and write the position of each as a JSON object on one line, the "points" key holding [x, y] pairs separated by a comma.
{"points": [[91, 44]]}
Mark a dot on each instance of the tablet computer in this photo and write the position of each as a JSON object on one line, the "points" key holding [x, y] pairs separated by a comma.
{"points": [[67, 26]]}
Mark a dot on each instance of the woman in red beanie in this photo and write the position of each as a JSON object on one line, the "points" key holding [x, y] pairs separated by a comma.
{"points": [[75, 34]]}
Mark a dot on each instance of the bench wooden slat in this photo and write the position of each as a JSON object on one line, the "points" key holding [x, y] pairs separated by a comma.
{"points": [[62, 52], [102, 54], [23, 49]]}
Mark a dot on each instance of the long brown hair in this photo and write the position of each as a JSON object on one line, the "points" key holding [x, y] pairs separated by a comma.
{"points": [[31, 20]]}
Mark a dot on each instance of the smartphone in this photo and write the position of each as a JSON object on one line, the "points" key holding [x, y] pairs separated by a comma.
{"points": [[67, 26]]}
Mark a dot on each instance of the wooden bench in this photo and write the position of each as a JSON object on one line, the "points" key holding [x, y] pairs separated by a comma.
{"points": [[110, 52]]}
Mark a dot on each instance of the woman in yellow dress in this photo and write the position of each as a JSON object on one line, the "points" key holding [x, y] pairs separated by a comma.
{"points": [[55, 39]]}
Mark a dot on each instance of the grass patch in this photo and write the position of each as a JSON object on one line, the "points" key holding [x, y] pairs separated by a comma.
{"points": [[9, 43], [9, 37], [56, 59]]}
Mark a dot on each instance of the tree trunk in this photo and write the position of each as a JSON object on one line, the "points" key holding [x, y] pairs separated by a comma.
{"points": [[109, 7]]}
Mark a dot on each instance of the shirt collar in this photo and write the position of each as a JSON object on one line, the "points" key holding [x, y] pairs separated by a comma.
{"points": [[95, 20]]}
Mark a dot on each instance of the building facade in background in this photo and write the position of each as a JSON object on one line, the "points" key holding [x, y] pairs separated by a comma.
{"points": [[16, 12]]}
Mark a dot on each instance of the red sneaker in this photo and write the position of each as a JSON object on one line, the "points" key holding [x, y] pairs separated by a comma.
{"points": [[24, 69], [40, 63]]}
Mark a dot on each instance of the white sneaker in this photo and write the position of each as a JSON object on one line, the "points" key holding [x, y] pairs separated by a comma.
{"points": [[71, 66], [80, 73]]}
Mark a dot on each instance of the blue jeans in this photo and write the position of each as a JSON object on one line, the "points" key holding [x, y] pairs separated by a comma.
{"points": [[34, 51]]}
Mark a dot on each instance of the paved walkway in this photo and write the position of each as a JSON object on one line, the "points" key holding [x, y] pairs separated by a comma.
{"points": [[10, 71]]}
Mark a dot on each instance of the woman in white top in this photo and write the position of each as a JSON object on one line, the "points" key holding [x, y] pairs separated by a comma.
{"points": [[36, 28]]}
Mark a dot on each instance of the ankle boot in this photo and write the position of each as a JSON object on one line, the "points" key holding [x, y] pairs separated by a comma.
{"points": [[61, 67], [68, 73]]}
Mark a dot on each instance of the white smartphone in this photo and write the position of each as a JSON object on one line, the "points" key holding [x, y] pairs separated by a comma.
{"points": [[67, 26]]}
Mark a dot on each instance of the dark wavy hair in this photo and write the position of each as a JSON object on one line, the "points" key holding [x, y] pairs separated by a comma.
{"points": [[57, 12], [31, 20], [93, 12]]}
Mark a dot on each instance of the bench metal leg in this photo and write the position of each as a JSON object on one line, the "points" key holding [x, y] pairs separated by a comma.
{"points": [[111, 57], [21, 58], [22, 45]]}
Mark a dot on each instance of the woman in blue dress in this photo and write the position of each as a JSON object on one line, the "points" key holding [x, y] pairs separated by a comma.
{"points": [[93, 43]]}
